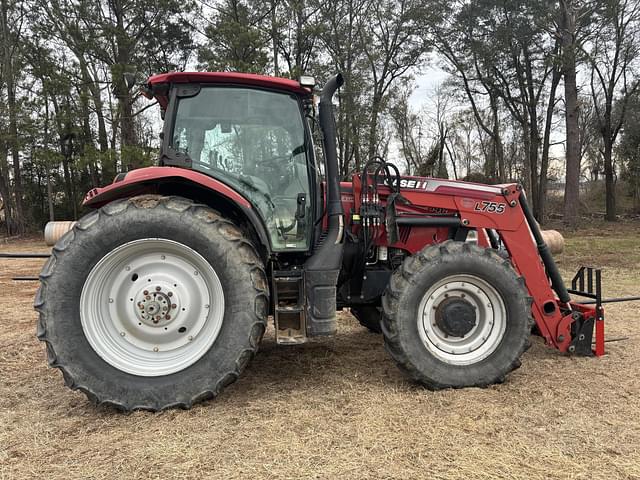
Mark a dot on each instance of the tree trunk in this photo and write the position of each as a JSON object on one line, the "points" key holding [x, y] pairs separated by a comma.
{"points": [[498, 149], [274, 37], [534, 147], [5, 193], [94, 88], [610, 187], [125, 106], [527, 159], [86, 138], [572, 175], [47, 167], [544, 162], [442, 168], [14, 144], [373, 125]]}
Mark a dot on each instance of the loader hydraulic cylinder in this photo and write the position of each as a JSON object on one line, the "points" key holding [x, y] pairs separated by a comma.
{"points": [[545, 254]]}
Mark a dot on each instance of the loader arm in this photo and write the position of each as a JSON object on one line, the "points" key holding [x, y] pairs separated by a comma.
{"points": [[435, 207]]}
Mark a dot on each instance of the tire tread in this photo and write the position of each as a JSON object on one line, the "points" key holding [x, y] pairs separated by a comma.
{"points": [[200, 212], [403, 278]]}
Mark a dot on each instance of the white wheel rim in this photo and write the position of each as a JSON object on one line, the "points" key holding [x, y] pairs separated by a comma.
{"points": [[152, 307], [483, 338]]}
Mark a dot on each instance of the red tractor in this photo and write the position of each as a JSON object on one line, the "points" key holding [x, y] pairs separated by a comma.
{"points": [[160, 296]]}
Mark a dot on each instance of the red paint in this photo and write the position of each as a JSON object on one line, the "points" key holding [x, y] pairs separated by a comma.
{"points": [[235, 78], [145, 180], [599, 350], [459, 199]]}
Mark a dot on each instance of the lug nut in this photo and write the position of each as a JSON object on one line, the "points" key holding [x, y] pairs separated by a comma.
{"points": [[158, 289], [173, 305], [168, 317], [170, 294], [146, 292]]}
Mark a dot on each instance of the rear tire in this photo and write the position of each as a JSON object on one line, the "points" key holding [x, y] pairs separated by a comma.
{"points": [[456, 315], [369, 317], [105, 281]]}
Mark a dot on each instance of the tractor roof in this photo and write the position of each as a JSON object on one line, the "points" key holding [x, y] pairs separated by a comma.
{"points": [[230, 78]]}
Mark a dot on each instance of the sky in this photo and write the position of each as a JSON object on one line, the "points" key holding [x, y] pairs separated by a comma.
{"points": [[430, 78]]}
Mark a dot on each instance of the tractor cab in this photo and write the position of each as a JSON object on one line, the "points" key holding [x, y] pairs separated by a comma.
{"points": [[250, 133]]}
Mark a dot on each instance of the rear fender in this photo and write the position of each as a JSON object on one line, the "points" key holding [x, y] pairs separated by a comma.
{"points": [[189, 184]]}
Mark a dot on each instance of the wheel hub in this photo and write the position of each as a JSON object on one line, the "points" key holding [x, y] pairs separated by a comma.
{"points": [[152, 307], [461, 319], [157, 306], [455, 316]]}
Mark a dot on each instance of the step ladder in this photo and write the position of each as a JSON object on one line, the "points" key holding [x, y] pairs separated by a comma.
{"points": [[289, 315]]}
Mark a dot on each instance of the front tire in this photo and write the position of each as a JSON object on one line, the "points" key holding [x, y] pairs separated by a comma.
{"points": [[456, 315], [152, 302]]}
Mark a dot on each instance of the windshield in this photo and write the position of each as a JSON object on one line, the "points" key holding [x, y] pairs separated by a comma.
{"points": [[253, 140]]}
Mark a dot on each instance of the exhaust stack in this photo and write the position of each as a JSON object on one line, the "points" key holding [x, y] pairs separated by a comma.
{"points": [[322, 269]]}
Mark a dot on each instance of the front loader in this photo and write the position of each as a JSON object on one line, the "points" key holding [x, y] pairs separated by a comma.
{"points": [[159, 297]]}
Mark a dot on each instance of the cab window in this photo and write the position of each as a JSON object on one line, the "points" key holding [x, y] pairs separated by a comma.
{"points": [[254, 141]]}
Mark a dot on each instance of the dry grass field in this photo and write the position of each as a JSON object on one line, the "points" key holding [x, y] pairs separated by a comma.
{"points": [[338, 407]]}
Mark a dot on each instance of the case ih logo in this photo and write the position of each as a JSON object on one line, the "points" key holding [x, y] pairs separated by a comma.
{"points": [[415, 184]]}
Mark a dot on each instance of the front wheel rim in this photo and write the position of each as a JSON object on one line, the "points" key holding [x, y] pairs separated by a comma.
{"points": [[152, 307], [482, 339]]}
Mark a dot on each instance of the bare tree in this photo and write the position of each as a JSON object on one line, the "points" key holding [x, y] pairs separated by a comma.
{"points": [[612, 54], [409, 130], [393, 45]]}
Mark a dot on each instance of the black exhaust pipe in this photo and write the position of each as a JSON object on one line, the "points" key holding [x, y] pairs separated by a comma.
{"points": [[323, 267]]}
